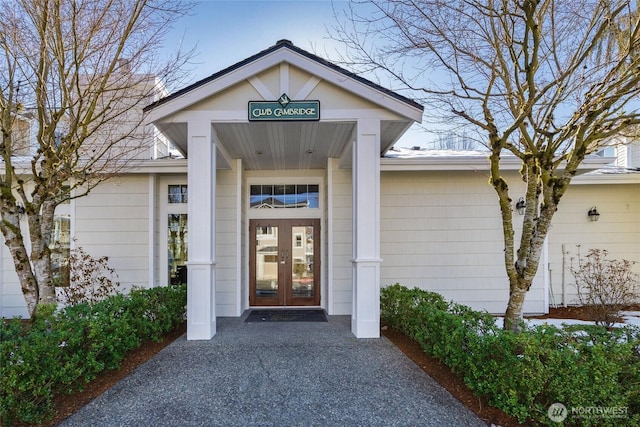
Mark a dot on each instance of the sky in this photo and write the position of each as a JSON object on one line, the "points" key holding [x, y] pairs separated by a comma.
{"points": [[226, 32]]}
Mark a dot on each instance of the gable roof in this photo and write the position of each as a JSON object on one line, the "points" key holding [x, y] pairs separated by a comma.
{"points": [[283, 44]]}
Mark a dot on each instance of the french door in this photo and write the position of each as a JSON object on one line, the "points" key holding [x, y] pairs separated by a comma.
{"points": [[284, 262]]}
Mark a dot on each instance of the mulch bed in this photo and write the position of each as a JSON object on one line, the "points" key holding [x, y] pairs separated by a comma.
{"points": [[67, 404], [447, 379]]}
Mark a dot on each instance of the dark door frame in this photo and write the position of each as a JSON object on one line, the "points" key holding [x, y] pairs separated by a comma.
{"points": [[285, 296]]}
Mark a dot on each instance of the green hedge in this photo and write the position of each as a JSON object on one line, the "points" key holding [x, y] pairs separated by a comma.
{"points": [[60, 351], [586, 368]]}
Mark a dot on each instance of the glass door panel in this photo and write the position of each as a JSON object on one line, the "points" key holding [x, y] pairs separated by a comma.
{"points": [[178, 239], [266, 264], [302, 272], [283, 262]]}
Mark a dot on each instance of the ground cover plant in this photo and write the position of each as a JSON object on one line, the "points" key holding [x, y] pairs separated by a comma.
{"points": [[59, 351], [591, 370]]}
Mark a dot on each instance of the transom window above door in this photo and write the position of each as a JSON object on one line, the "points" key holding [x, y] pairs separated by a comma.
{"points": [[294, 196]]}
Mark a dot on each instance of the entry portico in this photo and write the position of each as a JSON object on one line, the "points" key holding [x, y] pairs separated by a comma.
{"points": [[327, 161]]}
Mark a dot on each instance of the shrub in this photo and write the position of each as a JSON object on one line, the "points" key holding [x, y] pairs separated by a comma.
{"points": [[30, 363], [90, 279], [524, 373], [604, 286], [60, 351]]}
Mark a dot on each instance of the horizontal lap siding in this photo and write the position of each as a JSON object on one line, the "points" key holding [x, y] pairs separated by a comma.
{"points": [[617, 231], [113, 221], [442, 232], [227, 282], [342, 251], [12, 301]]}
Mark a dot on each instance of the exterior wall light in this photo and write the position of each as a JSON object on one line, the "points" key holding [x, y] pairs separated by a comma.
{"points": [[521, 205], [593, 214]]}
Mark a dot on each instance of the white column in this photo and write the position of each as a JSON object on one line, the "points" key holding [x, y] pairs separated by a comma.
{"points": [[365, 314], [201, 279]]}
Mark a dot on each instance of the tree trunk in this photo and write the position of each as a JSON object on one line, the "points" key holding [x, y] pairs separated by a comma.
{"points": [[41, 227], [523, 271], [13, 239], [513, 316], [42, 270]]}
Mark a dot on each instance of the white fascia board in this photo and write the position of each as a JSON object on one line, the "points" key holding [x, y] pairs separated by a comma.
{"points": [[204, 91], [161, 166], [352, 115], [603, 179], [344, 82], [445, 163], [271, 60], [140, 166]]}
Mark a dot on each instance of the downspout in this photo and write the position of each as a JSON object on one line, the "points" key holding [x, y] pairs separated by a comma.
{"points": [[546, 274], [151, 238], [564, 301]]}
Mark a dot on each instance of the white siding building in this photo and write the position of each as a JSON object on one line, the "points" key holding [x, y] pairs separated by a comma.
{"points": [[289, 195]]}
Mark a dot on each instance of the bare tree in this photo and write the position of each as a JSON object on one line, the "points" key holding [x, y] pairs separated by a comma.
{"points": [[74, 77], [605, 286], [546, 81], [456, 143]]}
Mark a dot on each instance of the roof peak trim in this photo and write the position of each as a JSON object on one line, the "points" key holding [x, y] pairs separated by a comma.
{"points": [[283, 44]]}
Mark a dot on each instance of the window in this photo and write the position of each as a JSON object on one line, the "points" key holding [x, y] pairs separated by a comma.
{"points": [[64, 197], [270, 258], [177, 233], [178, 240], [61, 249], [178, 194], [265, 231], [296, 196]]}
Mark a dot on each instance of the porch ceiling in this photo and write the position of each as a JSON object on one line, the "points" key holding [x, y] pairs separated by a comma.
{"points": [[284, 145], [291, 145]]}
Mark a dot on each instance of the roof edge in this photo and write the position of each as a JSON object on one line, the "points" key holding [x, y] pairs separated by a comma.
{"points": [[282, 44], [475, 161]]}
